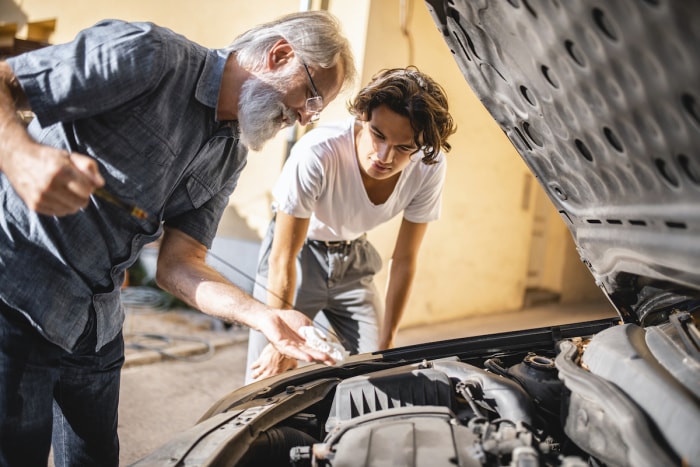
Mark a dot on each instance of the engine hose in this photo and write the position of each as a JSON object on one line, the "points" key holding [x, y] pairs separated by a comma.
{"points": [[511, 400], [272, 447]]}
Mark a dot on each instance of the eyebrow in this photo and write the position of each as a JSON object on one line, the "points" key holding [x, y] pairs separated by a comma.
{"points": [[411, 145]]}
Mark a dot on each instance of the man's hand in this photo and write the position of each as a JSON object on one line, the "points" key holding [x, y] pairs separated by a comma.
{"points": [[52, 181], [183, 271], [271, 363], [281, 327]]}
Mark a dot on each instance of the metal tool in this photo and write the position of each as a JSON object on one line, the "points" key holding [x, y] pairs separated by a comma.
{"points": [[133, 210]]}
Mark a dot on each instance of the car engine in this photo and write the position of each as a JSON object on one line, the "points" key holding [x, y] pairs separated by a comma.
{"points": [[585, 404], [442, 412]]}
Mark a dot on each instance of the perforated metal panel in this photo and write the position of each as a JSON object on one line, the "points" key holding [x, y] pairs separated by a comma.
{"points": [[602, 101]]}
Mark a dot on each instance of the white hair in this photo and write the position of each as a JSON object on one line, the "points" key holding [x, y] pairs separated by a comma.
{"points": [[315, 36]]}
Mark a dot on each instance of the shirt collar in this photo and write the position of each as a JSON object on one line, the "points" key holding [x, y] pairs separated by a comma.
{"points": [[209, 83]]}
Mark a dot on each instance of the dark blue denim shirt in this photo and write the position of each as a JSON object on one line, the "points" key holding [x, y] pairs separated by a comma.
{"points": [[141, 100]]}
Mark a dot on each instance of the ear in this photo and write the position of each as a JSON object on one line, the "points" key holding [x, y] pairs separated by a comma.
{"points": [[280, 54]]}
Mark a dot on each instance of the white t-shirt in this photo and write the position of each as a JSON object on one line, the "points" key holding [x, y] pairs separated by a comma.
{"points": [[321, 180]]}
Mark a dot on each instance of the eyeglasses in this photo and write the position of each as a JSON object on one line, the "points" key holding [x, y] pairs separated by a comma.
{"points": [[314, 105]]}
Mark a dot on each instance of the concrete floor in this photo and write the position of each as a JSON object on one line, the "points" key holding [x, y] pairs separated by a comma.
{"points": [[163, 398]]}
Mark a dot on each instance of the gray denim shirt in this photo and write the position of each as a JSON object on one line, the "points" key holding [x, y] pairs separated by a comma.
{"points": [[141, 100]]}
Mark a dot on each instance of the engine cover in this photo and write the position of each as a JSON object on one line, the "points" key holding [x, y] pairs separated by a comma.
{"points": [[401, 436]]}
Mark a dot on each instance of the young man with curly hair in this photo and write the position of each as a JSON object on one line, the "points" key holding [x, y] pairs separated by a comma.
{"points": [[340, 181]]}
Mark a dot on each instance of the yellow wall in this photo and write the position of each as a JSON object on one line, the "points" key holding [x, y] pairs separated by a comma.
{"points": [[213, 23], [474, 260]]}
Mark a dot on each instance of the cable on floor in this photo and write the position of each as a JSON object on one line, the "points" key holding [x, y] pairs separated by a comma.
{"points": [[160, 343], [143, 299]]}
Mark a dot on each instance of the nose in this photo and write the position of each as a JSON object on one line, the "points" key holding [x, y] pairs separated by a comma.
{"points": [[384, 153], [306, 117]]}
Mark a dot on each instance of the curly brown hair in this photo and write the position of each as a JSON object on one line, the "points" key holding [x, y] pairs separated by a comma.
{"points": [[415, 95]]}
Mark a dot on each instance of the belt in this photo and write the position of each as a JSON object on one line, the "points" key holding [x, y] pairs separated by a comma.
{"points": [[335, 244]]}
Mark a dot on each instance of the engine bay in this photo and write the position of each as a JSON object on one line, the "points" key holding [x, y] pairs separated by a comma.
{"points": [[574, 406]]}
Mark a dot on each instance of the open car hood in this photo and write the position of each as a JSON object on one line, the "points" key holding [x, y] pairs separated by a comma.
{"points": [[602, 102]]}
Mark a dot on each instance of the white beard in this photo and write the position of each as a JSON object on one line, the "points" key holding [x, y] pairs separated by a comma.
{"points": [[261, 113]]}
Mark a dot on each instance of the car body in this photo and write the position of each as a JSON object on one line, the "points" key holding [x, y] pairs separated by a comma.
{"points": [[601, 100]]}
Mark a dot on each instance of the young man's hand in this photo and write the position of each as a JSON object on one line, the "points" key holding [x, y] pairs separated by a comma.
{"points": [[271, 363]]}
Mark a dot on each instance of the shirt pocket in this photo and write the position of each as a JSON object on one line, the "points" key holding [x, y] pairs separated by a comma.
{"points": [[215, 165]]}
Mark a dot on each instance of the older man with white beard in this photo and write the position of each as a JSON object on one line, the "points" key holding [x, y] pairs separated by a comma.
{"points": [[138, 132]]}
